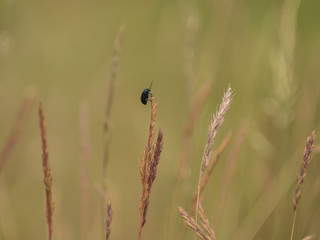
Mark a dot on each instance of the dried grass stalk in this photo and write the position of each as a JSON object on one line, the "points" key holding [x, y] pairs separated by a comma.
{"points": [[214, 125], [111, 89], [85, 155], [148, 165], [12, 138], [302, 174], [206, 224], [192, 224], [205, 177], [46, 172], [108, 219]]}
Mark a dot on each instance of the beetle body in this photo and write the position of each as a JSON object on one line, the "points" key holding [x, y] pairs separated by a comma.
{"points": [[145, 95]]}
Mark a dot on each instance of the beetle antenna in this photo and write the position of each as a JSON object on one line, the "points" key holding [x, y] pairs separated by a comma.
{"points": [[151, 84]]}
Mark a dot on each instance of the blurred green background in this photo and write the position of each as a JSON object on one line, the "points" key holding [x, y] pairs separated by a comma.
{"points": [[60, 53]]}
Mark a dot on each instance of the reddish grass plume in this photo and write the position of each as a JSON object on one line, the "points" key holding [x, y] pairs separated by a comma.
{"points": [[149, 163], [46, 172]]}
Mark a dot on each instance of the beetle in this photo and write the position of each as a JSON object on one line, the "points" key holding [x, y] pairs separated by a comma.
{"points": [[146, 94]]}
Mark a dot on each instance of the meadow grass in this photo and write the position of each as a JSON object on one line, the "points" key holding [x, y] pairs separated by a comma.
{"points": [[267, 51]]}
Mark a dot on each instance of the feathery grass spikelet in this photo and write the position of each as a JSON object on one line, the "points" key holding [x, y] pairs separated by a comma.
{"points": [[304, 163], [108, 219], [214, 125], [46, 171], [302, 174], [12, 138], [148, 165]]}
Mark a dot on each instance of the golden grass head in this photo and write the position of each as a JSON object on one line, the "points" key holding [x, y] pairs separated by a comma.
{"points": [[303, 167], [149, 163], [196, 228], [214, 125]]}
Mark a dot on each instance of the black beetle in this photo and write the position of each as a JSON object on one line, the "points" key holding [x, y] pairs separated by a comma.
{"points": [[145, 95]]}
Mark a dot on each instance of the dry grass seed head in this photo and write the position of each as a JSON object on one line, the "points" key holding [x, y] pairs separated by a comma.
{"points": [[156, 158], [149, 163], [206, 224], [46, 171], [192, 224], [301, 175], [214, 125], [108, 219], [304, 163]]}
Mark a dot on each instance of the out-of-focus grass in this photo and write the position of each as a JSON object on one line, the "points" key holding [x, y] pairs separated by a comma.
{"points": [[61, 52]]}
